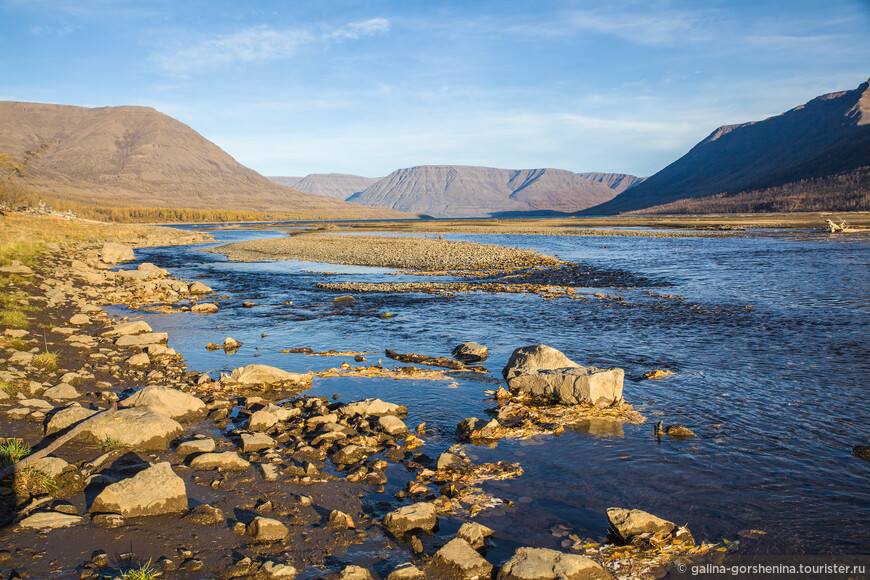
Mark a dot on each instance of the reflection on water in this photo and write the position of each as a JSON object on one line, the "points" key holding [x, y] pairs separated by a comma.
{"points": [[767, 339]]}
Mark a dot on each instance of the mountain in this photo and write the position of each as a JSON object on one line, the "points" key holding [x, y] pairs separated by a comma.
{"points": [[822, 143], [462, 191], [138, 157], [335, 185]]}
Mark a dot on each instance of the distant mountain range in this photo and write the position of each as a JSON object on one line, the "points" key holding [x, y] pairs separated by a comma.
{"points": [[463, 191], [813, 157], [138, 157]]}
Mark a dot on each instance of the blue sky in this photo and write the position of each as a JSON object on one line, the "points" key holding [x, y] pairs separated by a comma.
{"points": [[366, 87]]}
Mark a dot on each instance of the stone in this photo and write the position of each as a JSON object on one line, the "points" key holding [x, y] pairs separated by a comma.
{"points": [[206, 515], [173, 403], [204, 308], [474, 533], [353, 572], [142, 340], [338, 520], [140, 428], [352, 454], [60, 392], [451, 462], [392, 425], [198, 288], [269, 472], [51, 466], [256, 442], [417, 516], [267, 530], [153, 491], [406, 571], [627, 524], [473, 428], [50, 521], [152, 270], [264, 375], [544, 564], [195, 446], [113, 253], [861, 451], [470, 352], [225, 461], [570, 384], [67, 417], [262, 420], [16, 267], [20, 357], [108, 520], [457, 559], [136, 327], [373, 407], [139, 360], [231, 343], [79, 319], [275, 570]]}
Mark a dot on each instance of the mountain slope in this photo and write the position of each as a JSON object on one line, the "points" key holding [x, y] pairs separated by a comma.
{"points": [[334, 185], [823, 138], [136, 156], [462, 191]]}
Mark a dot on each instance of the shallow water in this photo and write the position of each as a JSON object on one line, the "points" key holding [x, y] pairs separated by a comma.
{"points": [[768, 344]]}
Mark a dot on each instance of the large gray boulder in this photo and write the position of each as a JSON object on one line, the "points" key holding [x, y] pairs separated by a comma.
{"points": [[113, 253], [422, 516], [544, 564], [170, 402], [457, 559], [139, 428], [264, 375], [153, 491], [545, 373]]}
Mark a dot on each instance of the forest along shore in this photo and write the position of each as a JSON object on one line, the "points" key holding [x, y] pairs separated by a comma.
{"points": [[242, 474]]}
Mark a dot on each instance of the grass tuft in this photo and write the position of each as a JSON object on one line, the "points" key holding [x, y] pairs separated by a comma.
{"points": [[7, 388], [110, 443], [13, 451], [34, 481], [143, 572], [46, 361], [14, 318]]}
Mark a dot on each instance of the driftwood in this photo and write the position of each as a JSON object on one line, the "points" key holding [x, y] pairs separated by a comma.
{"points": [[20, 465]]}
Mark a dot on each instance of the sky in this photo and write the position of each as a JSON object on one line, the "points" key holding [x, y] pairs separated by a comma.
{"points": [[370, 86]]}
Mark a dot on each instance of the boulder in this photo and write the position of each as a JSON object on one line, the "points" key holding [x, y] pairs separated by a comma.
{"points": [[406, 571], [79, 319], [153, 491], [186, 448], [267, 530], [136, 327], [67, 417], [61, 392], [49, 520], [570, 384], [474, 533], [392, 425], [627, 524], [264, 375], [457, 559], [225, 461], [198, 288], [170, 402], [470, 352], [204, 308], [275, 570], [231, 343], [51, 466], [139, 360], [417, 516], [142, 340], [353, 572], [473, 428], [140, 428], [544, 564], [153, 271], [338, 520], [16, 267], [20, 357], [352, 454], [113, 253], [262, 420], [256, 442], [373, 407]]}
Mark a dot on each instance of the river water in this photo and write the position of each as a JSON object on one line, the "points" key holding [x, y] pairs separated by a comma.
{"points": [[768, 343]]}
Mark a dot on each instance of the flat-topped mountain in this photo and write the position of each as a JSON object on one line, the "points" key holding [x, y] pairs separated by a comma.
{"points": [[335, 185], [817, 154], [464, 191], [136, 156]]}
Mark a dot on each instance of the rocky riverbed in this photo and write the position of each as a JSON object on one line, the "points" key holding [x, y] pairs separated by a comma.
{"points": [[243, 475]]}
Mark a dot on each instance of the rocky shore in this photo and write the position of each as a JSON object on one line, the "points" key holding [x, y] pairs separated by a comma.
{"points": [[243, 475]]}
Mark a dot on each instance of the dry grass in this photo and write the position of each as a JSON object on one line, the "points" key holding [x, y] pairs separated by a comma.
{"points": [[46, 361], [14, 318]]}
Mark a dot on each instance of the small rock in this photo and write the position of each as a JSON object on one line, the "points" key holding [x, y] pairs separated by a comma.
{"points": [[267, 530], [173, 403], [627, 524], [392, 425], [861, 451], [108, 520], [355, 573], [206, 515], [139, 360], [339, 520], [339, 299], [49, 520], [153, 491], [269, 472], [113, 253], [406, 571], [373, 407], [63, 391], [470, 352], [262, 420], [225, 461], [474, 533], [79, 319], [204, 308], [411, 517], [198, 288], [263, 374], [457, 559], [256, 442], [186, 448], [275, 571], [544, 564]]}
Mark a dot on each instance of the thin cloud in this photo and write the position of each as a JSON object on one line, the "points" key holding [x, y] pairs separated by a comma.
{"points": [[259, 44]]}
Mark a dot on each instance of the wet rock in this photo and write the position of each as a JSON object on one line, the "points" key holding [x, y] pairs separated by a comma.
{"points": [[275, 571], [153, 491], [544, 564], [352, 454], [49, 520], [628, 524], [262, 420], [355, 573], [170, 402], [373, 407], [263, 374], [861, 451], [473, 428], [231, 344], [673, 431], [392, 425], [449, 461], [206, 515], [198, 288], [113, 253], [457, 559], [470, 352], [67, 417], [225, 461], [60, 392], [140, 428], [204, 308], [406, 571], [546, 373], [338, 520], [474, 533], [107, 520], [267, 530], [256, 442], [416, 516], [128, 328], [196, 446]]}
